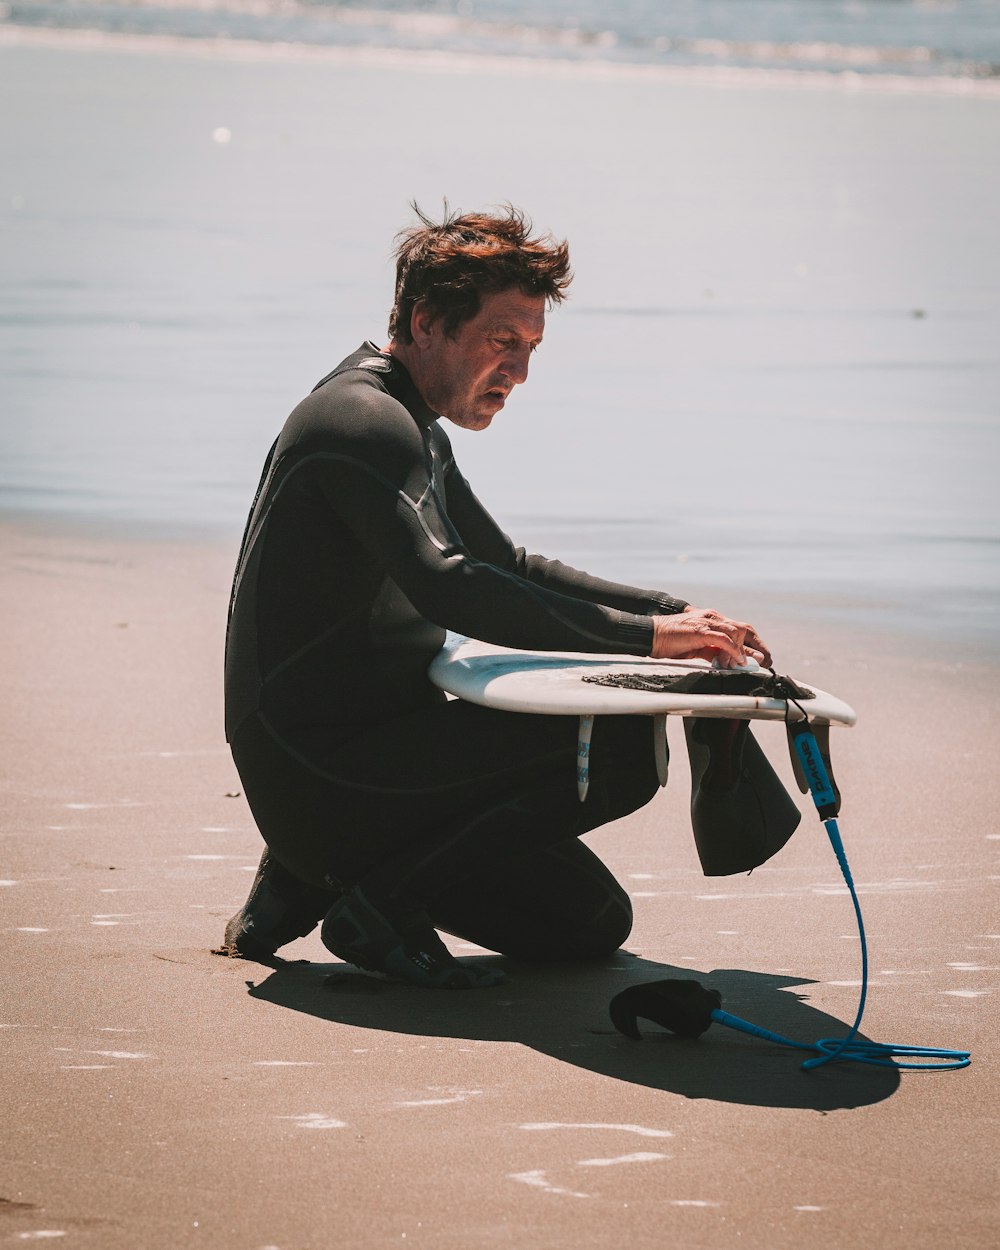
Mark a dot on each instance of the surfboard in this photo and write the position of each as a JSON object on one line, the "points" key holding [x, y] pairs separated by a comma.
{"points": [[552, 683], [562, 683]]}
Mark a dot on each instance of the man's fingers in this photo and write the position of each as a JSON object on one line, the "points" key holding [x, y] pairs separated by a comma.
{"points": [[743, 632], [754, 645], [736, 630], [723, 642], [744, 636]]}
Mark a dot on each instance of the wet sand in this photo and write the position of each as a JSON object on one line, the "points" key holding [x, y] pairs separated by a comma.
{"points": [[159, 1096]]}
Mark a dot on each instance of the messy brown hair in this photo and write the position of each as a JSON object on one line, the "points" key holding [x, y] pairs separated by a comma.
{"points": [[451, 265]]}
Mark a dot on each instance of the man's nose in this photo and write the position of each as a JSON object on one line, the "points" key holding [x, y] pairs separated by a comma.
{"points": [[515, 364]]}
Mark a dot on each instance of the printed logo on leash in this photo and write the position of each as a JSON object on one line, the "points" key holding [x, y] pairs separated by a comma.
{"points": [[820, 786]]}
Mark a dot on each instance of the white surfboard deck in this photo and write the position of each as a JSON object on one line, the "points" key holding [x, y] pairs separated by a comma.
{"points": [[551, 683]]}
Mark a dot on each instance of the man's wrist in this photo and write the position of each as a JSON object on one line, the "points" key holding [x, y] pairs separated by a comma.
{"points": [[668, 605]]}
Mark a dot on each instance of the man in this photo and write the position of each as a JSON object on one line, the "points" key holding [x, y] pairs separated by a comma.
{"points": [[387, 809]]}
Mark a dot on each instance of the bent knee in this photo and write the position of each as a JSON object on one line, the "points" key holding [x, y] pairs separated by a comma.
{"points": [[595, 937]]}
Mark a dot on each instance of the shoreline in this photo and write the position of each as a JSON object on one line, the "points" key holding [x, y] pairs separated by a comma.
{"points": [[887, 624], [461, 63], [105, 527]]}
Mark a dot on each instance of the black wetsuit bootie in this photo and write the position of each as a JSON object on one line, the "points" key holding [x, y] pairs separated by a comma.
{"points": [[405, 946], [279, 909]]}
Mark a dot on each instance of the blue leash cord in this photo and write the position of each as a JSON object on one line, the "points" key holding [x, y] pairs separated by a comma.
{"points": [[847, 1049]]}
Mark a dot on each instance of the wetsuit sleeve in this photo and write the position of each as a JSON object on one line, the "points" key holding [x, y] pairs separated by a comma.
{"points": [[377, 479], [487, 541]]}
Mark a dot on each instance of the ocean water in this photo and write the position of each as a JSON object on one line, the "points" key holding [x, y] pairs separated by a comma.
{"points": [[778, 368], [911, 37]]}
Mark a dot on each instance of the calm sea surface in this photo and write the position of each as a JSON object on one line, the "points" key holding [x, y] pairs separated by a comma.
{"points": [[916, 37], [779, 365]]}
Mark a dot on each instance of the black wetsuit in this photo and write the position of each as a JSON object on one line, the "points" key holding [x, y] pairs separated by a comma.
{"points": [[363, 545]]}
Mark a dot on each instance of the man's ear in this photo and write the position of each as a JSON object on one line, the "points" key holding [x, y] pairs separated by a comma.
{"points": [[422, 324]]}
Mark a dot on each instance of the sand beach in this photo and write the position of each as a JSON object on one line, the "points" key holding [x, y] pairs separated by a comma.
{"points": [[169, 299], [156, 1095]]}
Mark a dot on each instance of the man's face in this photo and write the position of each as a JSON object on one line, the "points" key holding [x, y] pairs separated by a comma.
{"points": [[468, 376]]}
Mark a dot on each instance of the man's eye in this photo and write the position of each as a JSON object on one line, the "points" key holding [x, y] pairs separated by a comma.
{"points": [[511, 345]]}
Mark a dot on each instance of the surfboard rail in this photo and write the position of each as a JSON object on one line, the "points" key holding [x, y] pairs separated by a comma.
{"points": [[552, 683]]}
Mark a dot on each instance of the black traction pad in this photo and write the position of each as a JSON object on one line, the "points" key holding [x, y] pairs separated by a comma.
{"points": [[721, 681]]}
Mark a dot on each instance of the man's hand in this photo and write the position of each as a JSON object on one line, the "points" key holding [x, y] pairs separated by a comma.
{"points": [[704, 634]]}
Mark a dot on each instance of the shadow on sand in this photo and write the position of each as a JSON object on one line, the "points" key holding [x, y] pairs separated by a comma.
{"points": [[561, 1010]]}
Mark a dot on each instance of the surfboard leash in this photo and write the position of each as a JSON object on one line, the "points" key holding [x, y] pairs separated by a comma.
{"points": [[827, 803], [688, 1008]]}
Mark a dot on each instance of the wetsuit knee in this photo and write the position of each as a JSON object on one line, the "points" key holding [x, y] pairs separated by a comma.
{"points": [[561, 905]]}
